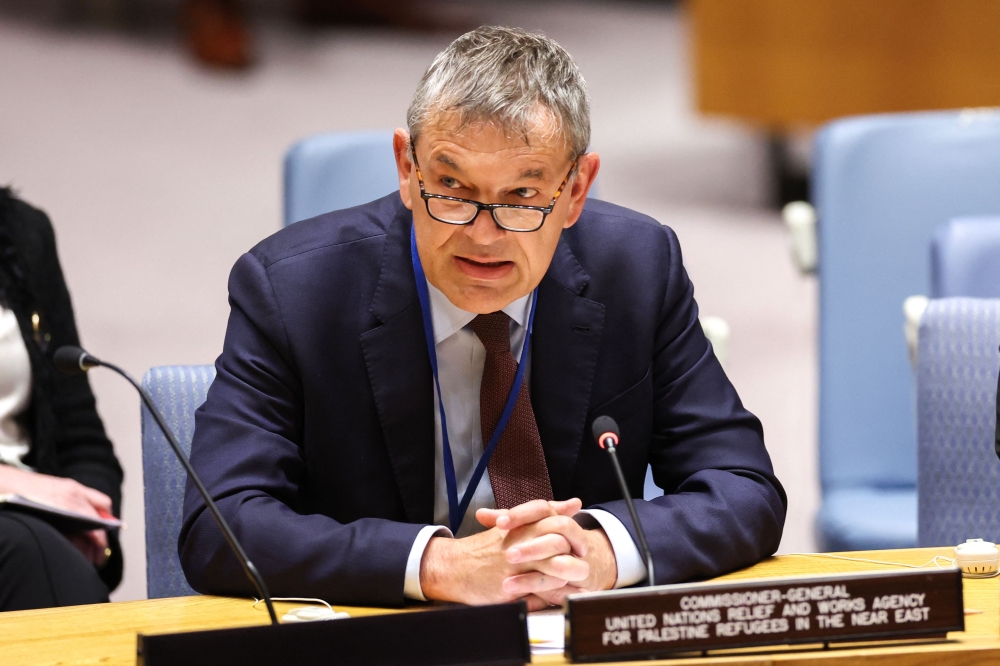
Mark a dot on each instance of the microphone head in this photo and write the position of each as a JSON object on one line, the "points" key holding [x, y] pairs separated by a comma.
{"points": [[71, 360], [603, 428]]}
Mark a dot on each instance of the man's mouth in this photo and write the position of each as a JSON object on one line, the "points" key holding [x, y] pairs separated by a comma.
{"points": [[484, 270]]}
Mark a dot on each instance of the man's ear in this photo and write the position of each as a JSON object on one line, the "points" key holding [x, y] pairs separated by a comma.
{"points": [[404, 165], [586, 171]]}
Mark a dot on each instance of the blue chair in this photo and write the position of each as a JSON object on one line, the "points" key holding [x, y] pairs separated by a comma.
{"points": [[959, 473], [177, 390], [334, 171], [882, 184], [965, 258]]}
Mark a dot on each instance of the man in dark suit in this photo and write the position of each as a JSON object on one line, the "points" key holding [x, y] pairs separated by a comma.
{"points": [[378, 358]]}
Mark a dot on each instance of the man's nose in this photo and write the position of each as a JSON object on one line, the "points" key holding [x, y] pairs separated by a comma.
{"points": [[484, 230]]}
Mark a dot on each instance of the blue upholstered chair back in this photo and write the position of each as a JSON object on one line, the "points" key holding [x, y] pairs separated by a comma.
{"points": [[882, 185], [957, 366], [334, 171], [177, 390], [965, 258]]}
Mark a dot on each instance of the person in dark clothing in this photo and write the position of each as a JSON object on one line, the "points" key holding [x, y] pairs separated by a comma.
{"points": [[52, 442]]}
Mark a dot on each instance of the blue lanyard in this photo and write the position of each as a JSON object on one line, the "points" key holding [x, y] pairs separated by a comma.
{"points": [[456, 510]]}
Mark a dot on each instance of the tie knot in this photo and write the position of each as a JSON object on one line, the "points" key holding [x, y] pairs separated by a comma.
{"points": [[493, 330]]}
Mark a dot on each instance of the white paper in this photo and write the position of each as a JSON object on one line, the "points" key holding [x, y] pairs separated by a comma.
{"points": [[547, 631]]}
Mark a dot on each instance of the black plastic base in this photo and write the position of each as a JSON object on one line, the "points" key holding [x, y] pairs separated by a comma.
{"points": [[494, 635]]}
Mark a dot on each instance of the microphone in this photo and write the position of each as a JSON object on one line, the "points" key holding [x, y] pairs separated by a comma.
{"points": [[74, 361], [606, 433]]}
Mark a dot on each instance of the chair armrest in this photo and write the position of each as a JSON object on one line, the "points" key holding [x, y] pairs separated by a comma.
{"points": [[800, 218], [913, 312]]}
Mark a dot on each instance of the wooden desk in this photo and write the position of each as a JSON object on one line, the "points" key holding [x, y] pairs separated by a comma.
{"points": [[105, 634]]}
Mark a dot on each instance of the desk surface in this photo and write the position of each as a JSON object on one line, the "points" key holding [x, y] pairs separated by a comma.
{"points": [[105, 634]]}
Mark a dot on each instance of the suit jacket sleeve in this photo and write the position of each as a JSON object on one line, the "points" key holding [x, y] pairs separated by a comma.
{"points": [[246, 448], [997, 445], [723, 508]]}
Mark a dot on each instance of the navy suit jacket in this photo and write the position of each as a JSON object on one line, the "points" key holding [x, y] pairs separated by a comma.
{"points": [[317, 438]]}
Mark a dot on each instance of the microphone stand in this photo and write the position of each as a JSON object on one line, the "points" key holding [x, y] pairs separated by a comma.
{"points": [[71, 360], [606, 433], [641, 533]]}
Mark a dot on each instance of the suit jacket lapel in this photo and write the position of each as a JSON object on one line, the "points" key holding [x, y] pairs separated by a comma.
{"points": [[399, 371], [564, 348]]}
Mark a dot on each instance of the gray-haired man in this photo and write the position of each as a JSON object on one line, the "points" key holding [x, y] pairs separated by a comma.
{"points": [[403, 400]]}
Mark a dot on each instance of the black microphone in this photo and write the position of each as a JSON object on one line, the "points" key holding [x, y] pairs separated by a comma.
{"points": [[606, 433], [73, 361]]}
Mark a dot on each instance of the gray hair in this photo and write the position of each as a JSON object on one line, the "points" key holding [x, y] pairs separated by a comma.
{"points": [[512, 79]]}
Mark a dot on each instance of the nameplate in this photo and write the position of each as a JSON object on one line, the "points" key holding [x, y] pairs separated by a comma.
{"points": [[490, 635], [653, 622]]}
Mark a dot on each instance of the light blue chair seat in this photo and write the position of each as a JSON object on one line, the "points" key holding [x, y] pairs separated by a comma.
{"points": [[882, 185], [177, 391], [957, 367], [868, 518]]}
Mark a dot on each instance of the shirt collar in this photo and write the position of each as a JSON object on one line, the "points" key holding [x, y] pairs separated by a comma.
{"points": [[449, 319]]}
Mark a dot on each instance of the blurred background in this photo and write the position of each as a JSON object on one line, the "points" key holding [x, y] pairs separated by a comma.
{"points": [[153, 133]]}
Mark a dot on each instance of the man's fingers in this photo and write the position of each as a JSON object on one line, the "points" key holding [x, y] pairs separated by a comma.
{"points": [[536, 602], [564, 567], [532, 582], [539, 548], [564, 526], [570, 530], [524, 514], [569, 507], [488, 517], [527, 513], [557, 597]]}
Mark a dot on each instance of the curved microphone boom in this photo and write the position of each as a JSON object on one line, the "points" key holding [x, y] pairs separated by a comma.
{"points": [[73, 361], [606, 433]]}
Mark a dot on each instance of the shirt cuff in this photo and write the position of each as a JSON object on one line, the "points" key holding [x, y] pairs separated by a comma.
{"points": [[411, 583], [631, 568]]}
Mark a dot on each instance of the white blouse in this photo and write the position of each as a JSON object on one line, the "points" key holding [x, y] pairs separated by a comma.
{"points": [[15, 390]]}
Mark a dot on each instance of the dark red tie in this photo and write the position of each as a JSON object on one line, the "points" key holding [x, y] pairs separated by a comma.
{"points": [[517, 469]]}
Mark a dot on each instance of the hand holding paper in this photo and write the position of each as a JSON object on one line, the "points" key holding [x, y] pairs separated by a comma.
{"points": [[68, 495]]}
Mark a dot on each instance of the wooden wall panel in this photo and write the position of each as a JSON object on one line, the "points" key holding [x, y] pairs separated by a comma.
{"points": [[784, 63]]}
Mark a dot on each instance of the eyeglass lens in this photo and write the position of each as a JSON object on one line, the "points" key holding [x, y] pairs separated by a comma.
{"points": [[460, 212]]}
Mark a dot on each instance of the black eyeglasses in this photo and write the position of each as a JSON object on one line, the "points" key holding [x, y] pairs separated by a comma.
{"points": [[511, 217]]}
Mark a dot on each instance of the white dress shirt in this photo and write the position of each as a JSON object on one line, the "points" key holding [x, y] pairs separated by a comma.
{"points": [[15, 390], [461, 357]]}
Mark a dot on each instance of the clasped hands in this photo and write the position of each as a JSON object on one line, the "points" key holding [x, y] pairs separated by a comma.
{"points": [[535, 552]]}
